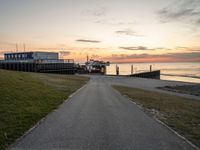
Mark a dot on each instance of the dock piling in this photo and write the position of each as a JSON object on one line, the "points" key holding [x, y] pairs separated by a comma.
{"points": [[131, 69], [150, 68], [117, 70]]}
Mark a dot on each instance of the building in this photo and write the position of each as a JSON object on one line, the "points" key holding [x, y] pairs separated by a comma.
{"points": [[42, 57], [44, 62]]}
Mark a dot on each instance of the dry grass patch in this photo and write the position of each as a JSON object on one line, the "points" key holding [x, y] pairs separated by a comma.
{"points": [[181, 114]]}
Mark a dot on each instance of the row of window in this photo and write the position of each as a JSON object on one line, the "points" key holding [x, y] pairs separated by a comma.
{"points": [[18, 56]]}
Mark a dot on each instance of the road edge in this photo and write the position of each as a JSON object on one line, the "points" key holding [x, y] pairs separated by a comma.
{"points": [[159, 121], [44, 118]]}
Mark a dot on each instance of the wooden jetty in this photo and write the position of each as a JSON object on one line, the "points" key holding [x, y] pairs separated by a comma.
{"points": [[152, 74]]}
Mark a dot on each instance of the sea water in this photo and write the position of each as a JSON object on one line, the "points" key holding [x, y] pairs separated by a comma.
{"points": [[186, 72]]}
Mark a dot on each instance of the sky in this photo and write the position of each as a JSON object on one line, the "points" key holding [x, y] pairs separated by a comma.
{"points": [[110, 30]]}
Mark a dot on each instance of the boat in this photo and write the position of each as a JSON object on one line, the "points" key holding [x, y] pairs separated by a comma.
{"points": [[96, 66]]}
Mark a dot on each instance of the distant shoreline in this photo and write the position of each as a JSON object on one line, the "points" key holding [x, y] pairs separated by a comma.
{"points": [[181, 76], [149, 62]]}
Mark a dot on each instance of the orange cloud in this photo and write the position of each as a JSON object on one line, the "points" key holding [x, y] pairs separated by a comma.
{"points": [[170, 57]]}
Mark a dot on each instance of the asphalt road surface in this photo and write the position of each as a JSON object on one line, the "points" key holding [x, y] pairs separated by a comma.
{"points": [[98, 118]]}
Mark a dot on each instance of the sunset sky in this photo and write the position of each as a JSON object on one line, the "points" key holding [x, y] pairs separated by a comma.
{"points": [[111, 30]]}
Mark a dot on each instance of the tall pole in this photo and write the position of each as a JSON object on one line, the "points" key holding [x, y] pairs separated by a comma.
{"points": [[16, 48], [24, 47], [87, 58]]}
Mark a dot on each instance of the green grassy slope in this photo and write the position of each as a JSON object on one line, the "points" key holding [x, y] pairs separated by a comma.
{"points": [[25, 98]]}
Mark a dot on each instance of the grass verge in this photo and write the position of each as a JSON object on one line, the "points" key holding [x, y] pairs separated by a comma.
{"points": [[186, 89], [25, 98], [181, 114]]}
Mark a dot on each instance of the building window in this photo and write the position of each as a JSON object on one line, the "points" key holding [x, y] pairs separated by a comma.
{"points": [[25, 56]]}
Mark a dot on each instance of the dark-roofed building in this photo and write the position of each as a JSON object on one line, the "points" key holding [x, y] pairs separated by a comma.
{"points": [[46, 57]]}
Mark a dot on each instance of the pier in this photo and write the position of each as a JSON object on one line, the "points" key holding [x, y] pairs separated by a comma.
{"points": [[152, 74]]}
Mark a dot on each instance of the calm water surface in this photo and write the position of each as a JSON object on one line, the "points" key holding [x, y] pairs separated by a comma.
{"points": [[186, 72]]}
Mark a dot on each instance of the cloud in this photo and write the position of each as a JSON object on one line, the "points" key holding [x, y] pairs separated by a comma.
{"points": [[169, 14], [113, 22], [198, 21], [127, 32], [101, 16], [88, 41], [184, 11], [182, 47], [99, 12], [135, 48], [192, 56], [161, 48], [143, 48], [126, 56]]}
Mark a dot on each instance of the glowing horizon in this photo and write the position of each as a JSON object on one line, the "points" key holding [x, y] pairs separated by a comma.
{"points": [[116, 31]]}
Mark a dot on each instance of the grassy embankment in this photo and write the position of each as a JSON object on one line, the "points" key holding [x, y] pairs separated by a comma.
{"points": [[181, 114], [25, 98]]}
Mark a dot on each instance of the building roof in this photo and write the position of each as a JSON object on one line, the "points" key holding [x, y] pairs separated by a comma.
{"points": [[29, 52]]}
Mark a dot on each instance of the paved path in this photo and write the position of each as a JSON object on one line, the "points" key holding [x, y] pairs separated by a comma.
{"points": [[147, 84], [98, 118]]}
